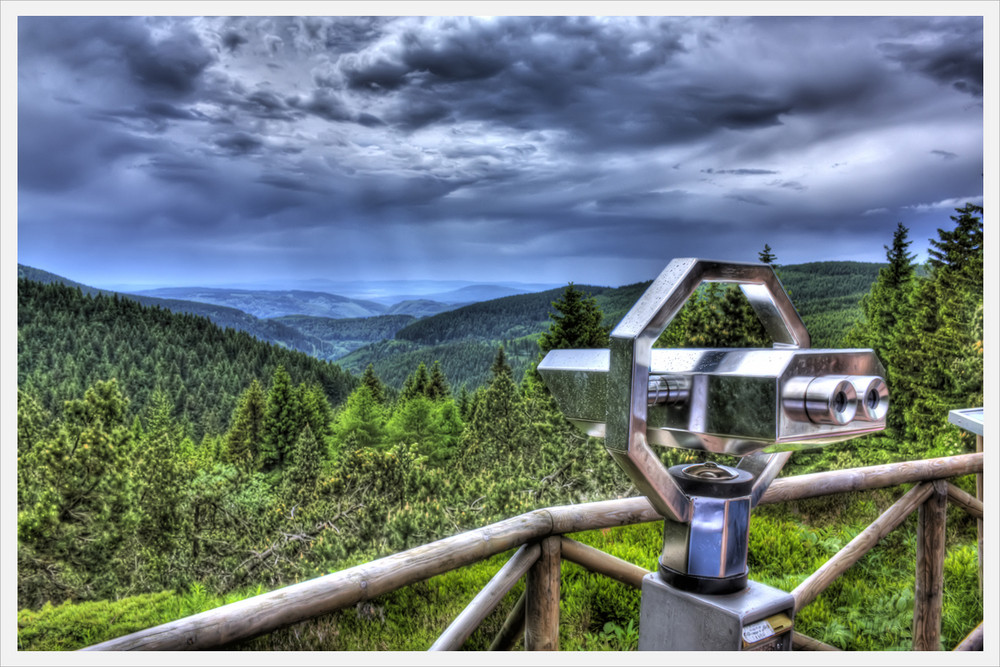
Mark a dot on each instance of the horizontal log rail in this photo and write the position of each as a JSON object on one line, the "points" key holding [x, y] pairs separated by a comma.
{"points": [[285, 606]]}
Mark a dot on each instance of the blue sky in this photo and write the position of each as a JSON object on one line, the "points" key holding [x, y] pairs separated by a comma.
{"points": [[179, 150]]}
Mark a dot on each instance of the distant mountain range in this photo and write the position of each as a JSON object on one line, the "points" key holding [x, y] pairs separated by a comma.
{"points": [[274, 303], [324, 325], [462, 334]]}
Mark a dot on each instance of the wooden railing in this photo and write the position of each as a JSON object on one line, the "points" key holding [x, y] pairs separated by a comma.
{"points": [[539, 539]]}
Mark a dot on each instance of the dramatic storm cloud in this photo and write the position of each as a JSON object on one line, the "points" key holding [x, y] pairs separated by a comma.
{"points": [[229, 150]]}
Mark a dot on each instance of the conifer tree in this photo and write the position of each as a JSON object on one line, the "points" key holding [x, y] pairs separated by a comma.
{"points": [[79, 509], [316, 412], [160, 489], [886, 306], [576, 324], [437, 385], [416, 383], [370, 380], [245, 438], [304, 467], [32, 422], [938, 367], [283, 419], [361, 424], [498, 425], [765, 256], [464, 403], [500, 366]]}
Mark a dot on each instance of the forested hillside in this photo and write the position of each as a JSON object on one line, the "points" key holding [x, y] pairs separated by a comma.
{"points": [[341, 336], [271, 331], [67, 341], [827, 295]]}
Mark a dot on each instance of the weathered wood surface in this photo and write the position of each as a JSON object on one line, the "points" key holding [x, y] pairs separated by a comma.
{"points": [[979, 497], [541, 610], [819, 580], [308, 599], [598, 561], [968, 502], [872, 477], [929, 586], [973, 641], [486, 601], [801, 642], [513, 628]]}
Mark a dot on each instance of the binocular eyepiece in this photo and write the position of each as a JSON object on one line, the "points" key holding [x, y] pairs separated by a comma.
{"points": [[836, 399]]}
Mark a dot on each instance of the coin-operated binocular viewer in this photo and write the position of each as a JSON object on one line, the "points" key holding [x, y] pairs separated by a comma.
{"points": [[757, 404]]}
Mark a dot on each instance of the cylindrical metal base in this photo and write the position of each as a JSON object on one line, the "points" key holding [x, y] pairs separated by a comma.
{"points": [[703, 585]]}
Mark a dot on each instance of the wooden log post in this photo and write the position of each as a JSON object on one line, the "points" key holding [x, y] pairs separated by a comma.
{"points": [[979, 522], [541, 631], [513, 628], [929, 586], [487, 600], [819, 580]]}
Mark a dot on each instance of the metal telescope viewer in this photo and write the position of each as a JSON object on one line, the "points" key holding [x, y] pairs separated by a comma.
{"points": [[758, 404]]}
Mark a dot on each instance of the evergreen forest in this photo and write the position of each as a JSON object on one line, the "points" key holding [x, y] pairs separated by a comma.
{"points": [[167, 465]]}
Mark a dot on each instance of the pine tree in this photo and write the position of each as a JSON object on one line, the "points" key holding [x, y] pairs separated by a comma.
{"points": [[370, 380], [576, 324], [500, 366], [884, 308], [79, 508], [416, 383], [283, 419], [361, 424], [498, 426], [245, 438], [938, 365], [160, 498], [765, 256], [316, 412], [437, 385], [305, 464]]}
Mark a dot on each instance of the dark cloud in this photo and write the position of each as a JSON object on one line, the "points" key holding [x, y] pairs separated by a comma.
{"points": [[509, 145], [166, 110], [232, 40], [60, 153], [323, 103], [747, 199], [266, 104], [239, 143], [790, 185], [953, 57], [739, 172], [173, 64]]}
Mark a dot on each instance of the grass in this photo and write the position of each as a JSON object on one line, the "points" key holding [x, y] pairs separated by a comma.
{"points": [[869, 608]]}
